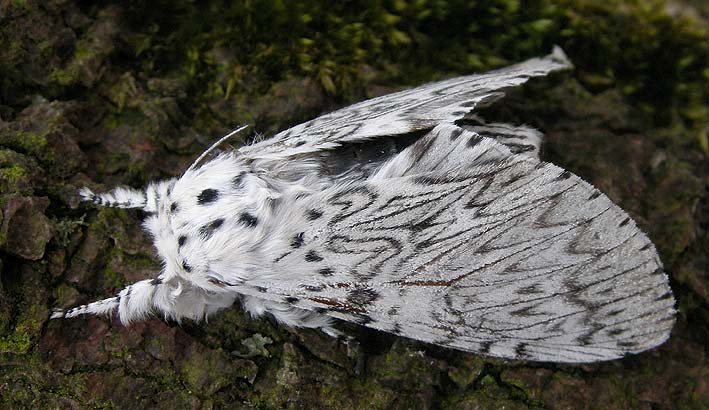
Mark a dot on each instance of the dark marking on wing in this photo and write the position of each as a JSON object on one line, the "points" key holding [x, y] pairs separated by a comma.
{"points": [[666, 296], [564, 175], [186, 267], [519, 148], [297, 241], [526, 311], [624, 222], [485, 346], [326, 272], [529, 290], [313, 256], [313, 214], [474, 140], [156, 281], [455, 134], [337, 305], [362, 296], [173, 207], [207, 196], [181, 240], [217, 282], [292, 299], [615, 312], [364, 319]]}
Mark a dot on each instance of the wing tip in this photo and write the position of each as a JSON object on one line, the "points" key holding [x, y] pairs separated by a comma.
{"points": [[559, 56]]}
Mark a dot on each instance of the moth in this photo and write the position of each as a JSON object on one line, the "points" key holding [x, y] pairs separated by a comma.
{"points": [[407, 214]]}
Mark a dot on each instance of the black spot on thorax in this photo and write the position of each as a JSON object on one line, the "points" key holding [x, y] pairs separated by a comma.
{"points": [[238, 181], [208, 230], [207, 196], [248, 219]]}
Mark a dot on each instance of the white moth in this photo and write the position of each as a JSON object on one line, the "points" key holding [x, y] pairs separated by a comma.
{"points": [[463, 239]]}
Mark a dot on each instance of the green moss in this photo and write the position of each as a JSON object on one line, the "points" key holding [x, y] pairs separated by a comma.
{"points": [[18, 341], [28, 142], [64, 228], [111, 279], [26, 329], [13, 179]]}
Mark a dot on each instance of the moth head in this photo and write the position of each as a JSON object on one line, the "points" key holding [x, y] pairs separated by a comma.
{"points": [[205, 223]]}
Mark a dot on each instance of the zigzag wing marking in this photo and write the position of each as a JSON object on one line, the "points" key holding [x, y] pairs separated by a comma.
{"points": [[517, 259], [520, 140], [445, 149], [403, 112]]}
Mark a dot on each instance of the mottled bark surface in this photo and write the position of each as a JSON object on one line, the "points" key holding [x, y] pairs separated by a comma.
{"points": [[124, 93]]}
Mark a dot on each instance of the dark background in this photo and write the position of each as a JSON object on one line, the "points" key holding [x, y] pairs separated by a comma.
{"points": [[127, 92]]}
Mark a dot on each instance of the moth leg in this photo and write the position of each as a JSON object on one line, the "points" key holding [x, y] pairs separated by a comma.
{"points": [[174, 300], [132, 302], [120, 197], [124, 197], [294, 317]]}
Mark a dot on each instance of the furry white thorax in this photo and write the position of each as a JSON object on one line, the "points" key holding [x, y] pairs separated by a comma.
{"points": [[202, 266]]}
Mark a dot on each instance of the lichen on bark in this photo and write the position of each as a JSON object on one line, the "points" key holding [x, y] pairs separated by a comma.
{"points": [[126, 92]]}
